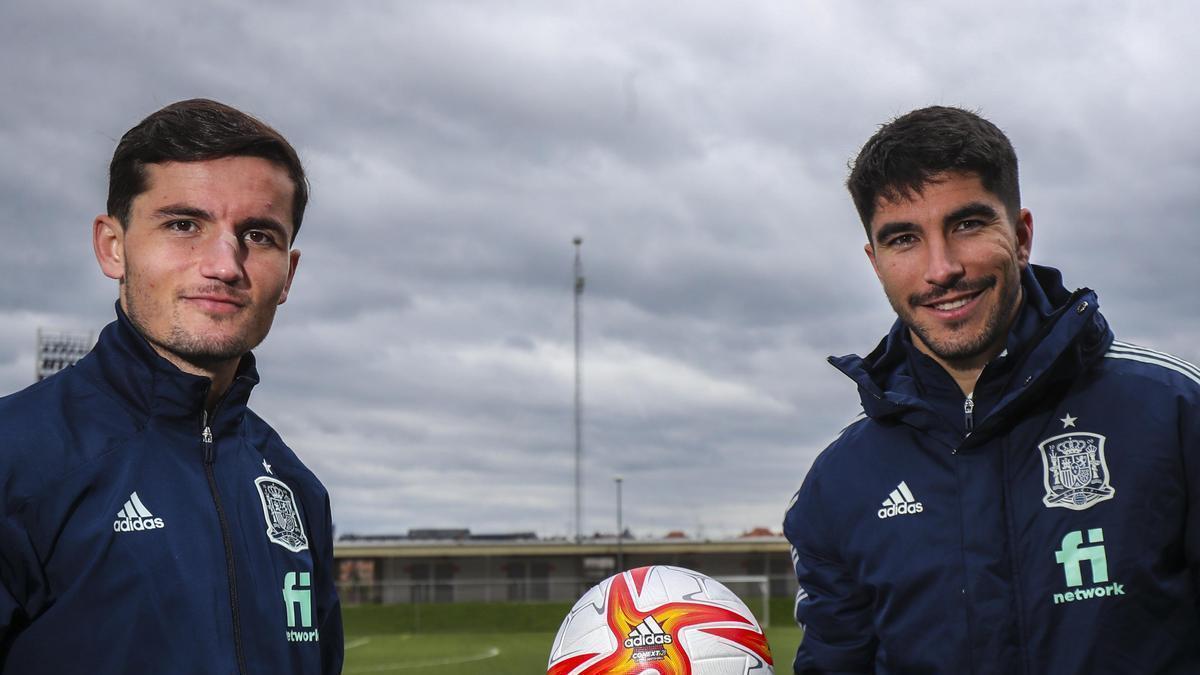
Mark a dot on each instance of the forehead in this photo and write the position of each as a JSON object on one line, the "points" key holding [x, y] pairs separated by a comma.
{"points": [[228, 187], [942, 194]]}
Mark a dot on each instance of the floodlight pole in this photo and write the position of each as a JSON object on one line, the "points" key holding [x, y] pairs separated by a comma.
{"points": [[578, 395], [620, 529]]}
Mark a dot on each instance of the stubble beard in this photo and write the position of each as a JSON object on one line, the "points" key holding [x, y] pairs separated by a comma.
{"points": [[966, 348], [203, 351]]}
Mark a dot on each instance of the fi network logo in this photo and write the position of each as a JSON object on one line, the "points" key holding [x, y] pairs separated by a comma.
{"points": [[1072, 555], [297, 598]]}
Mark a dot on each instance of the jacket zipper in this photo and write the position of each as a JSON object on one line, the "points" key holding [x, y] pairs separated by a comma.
{"points": [[969, 413], [206, 438]]}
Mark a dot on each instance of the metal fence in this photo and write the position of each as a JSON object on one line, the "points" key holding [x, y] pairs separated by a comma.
{"points": [[754, 590]]}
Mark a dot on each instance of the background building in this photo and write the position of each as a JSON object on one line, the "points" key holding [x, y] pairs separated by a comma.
{"points": [[456, 566]]}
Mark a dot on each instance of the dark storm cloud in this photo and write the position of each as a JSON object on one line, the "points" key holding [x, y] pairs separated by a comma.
{"points": [[423, 364]]}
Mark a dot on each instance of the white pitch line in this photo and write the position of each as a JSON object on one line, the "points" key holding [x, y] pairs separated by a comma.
{"points": [[491, 653], [364, 640]]}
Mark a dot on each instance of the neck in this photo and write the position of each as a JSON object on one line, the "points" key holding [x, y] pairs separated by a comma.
{"points": [[221, 373], [965, 372], [221, 380]]}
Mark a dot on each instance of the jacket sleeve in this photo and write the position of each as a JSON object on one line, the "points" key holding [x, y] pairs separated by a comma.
{"points": [[832, 608], [329, 607], [22, 589], [1190, 439], [11, 610]]}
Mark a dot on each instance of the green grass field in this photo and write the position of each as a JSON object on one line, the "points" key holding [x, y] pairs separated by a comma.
{"points": [[482, 639]]}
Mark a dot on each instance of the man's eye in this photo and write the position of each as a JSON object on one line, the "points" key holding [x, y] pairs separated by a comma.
{"points": [[182, 225], [969, 224], [902, 240], [260, 237]]}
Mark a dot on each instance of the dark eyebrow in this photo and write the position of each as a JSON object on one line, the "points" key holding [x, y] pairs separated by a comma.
{"points": [[182, 211], [888, 230], [972, 210]]}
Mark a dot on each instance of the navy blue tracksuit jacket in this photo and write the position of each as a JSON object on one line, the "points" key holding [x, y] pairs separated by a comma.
{"points": [[140, 535], [1048, 524]]}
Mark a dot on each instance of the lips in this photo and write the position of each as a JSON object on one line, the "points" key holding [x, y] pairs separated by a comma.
{"points": [[955, 297], [951, 305], [956, 304], [215, 303]]}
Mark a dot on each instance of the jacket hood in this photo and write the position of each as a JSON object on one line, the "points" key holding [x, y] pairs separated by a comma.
{"points": [[124, 362], [1072, 336]]}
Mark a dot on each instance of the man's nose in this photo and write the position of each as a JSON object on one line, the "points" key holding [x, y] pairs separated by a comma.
{"points": [[943, 267], [222, 258]]}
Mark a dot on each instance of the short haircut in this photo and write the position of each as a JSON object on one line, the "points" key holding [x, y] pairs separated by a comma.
{"points": [[193, 131], [902, 157]]}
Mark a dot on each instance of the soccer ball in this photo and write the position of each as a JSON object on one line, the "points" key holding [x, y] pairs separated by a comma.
{"points": [[660, 620]]}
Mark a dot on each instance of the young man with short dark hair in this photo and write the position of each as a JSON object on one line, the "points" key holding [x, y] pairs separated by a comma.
{"points": [[151, 521], [1021, 494]]}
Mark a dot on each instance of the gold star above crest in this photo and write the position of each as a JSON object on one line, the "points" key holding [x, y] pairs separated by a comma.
{"points": [[1068, 421]]}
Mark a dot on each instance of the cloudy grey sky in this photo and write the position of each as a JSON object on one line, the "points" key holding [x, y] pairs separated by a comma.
{"points": [[423, 364]]}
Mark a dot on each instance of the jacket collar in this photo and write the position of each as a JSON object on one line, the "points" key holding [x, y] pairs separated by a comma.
{"points": [[145, 382], [1058, 335]]}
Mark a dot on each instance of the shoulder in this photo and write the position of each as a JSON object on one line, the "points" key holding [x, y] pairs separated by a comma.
{"points": [[842, 472], [55, 427], [32, 397], [29, 427], [848, 447], [1151, 372], [284, 461], [833, 463]]}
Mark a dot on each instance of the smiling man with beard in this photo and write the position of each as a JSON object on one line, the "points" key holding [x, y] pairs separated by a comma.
{"points": [[152, 523], [1020, 495]]}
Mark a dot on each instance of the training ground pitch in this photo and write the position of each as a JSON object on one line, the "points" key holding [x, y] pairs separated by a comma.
{"points": [[373, 645]]}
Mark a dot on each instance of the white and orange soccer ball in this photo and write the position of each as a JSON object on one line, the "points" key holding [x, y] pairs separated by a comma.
{"points": [[660, 620]]}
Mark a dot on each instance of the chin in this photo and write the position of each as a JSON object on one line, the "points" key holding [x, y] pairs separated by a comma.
{"points": [[961, 348], [209, 346]]}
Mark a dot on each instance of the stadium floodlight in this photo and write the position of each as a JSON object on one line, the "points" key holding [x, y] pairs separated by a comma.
{"points": [[57, 350], [578, 395], [620, 528]]}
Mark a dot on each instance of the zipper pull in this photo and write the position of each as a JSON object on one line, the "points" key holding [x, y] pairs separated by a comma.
{"points": [[969, 413], [206, 439]]}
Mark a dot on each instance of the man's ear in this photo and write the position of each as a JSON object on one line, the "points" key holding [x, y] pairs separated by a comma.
{"points": [[869, 248], [293, 263], [108, 242], [1024, 237]]}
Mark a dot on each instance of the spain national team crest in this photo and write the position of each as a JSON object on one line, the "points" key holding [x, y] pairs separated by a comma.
{"points": [[1076, 475], [284, 526]]}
